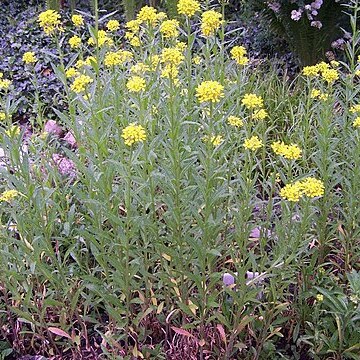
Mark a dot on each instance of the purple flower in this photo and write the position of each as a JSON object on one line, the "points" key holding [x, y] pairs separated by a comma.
{"points": [[296, 14], [65, 166]]}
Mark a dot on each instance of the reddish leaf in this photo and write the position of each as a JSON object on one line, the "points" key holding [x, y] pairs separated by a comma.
{"points": [[182, 331], [59, 332], [221, 331]]}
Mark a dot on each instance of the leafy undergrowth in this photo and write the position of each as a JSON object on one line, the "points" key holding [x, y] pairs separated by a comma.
{"points": [[184, 204]]}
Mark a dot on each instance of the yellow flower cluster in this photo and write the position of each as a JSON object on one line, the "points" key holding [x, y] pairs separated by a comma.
{"points": [[13, 131], [169, 29], [49, 20], [113, 58], [197, 60], [252, 101], [133, 25], [71, 72], [74, 41], [80, 83], [148, 14], [209, 91], [355, 109], [102, 39], [290, 152], [188, 7], [77, 20], [328, 74], [4, 83], [29, 57], [139, 68], [235, 121], [317, 94], [259, 114], [2, 115], [171, 56], [216, 140], [356, 122], [133, 133], [136, 84], [9, 195], [253, 143], [210, 22], [309, 187], [113, 25], [238, 53]]}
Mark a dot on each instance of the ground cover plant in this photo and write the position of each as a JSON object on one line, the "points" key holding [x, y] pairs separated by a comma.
{"points": [[185, 203]]}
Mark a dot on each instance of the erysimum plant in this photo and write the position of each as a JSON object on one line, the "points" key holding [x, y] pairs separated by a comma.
{"points": [[185, 203]]}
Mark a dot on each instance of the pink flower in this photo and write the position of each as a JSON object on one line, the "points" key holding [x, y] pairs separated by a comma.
{"points": [[70, 139], [51, 127]]}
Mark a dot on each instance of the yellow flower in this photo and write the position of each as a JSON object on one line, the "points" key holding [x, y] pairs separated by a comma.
{"points": [[90, 60], [216, 140], [13, 131], [260, 114], [235, 121], [71, 72], [77, 20], [80, 83], [9, 195], [171, 56], [310, 71], [356, 122], [211, 91], [317, 94], [330, 75], [154, 61], [210, 22], [238, 53], [291, 192], [181, 46], [5, 83], [133, 39], [136, 84], [357, 72], [171, 72], [312, 187], [29, 57], [2, 116], [133, 133], [80, 63], [188, 7], [334, 63], [139, 68], [74, 41], [253, 143], [102, 39], [133, 25], [49, 20], [197, 60], [320, 297], [161, 16], [355, 109], [148, 14], [252, 101], [291, 152], [169, 28], [113, 25]]}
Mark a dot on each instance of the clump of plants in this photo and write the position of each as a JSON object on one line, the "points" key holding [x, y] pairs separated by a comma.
{"points": [[184, 203]]}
